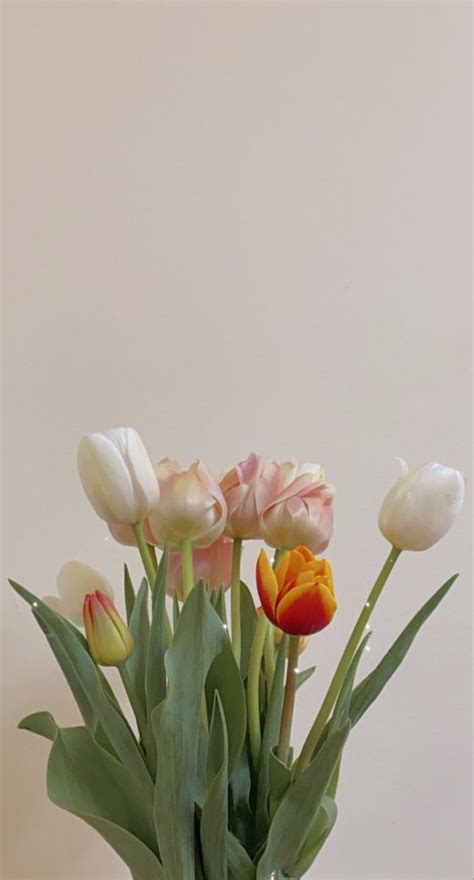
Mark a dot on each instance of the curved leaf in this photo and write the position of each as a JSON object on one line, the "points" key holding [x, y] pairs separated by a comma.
{"points": [[295, 813], [140, 628], [175, 723], [214, 813], [224, 678], [368, 690], [319, 832]]}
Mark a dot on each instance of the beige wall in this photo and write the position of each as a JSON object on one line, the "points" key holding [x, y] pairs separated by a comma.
{"points": [[244, 226]]}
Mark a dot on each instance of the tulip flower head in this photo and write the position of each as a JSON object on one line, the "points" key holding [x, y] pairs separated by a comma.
{"points": [[211, 564], [74, 581], [192, 506], [298, 596], [302, 511], [109, 639], [248, 488], [117, 475], [422, 505]]}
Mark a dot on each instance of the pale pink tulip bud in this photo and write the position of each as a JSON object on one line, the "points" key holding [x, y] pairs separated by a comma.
{"points": [[192, 506], [302, 512], [247, 488]]}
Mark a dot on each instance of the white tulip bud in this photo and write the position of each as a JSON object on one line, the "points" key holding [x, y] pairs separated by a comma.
{"points": [[117, 475], [75, 580], [422, 505]]}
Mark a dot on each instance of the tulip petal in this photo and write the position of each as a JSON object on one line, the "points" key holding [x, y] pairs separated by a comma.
{"points": [[306, 609], [267, 585]]}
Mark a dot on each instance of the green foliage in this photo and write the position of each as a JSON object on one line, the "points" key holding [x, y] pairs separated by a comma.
{"points": [[140, 629], [129, 593], [370, 688], [187, 803], [199, 637], [214, 812]]}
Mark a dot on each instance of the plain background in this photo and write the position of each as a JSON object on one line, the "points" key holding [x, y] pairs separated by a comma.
{"points": [[237, 227]]}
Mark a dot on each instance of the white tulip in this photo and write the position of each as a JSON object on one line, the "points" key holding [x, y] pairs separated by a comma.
{"points": [[117, 475], [422, 505], [74, 582]]}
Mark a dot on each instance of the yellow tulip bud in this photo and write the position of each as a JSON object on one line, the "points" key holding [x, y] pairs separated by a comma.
{"points": [[109, 640]]}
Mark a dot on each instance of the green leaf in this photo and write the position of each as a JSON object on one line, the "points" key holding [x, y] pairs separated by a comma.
{"points": [[106, 709], [155, 674], [140, 629], [239, 863], [248, 617], [85, 780], [41, 723], [304, 675], [279, 776], [218, 603], [176, 611], [161, 575], [368, 690], [292, 820], [214, 813], [129, 593], [319, 832], [340, 714], [155, 678], [175, 723], [270, 739], [224, 678]]}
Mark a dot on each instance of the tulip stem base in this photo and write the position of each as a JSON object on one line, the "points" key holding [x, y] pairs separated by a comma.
{"points": [[134, 700], [236, 632], [288, 700], [328, 703], [187, 567], [253, 689]]}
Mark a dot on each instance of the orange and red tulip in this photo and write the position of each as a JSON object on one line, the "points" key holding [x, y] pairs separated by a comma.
{"points": [[298, 595]]}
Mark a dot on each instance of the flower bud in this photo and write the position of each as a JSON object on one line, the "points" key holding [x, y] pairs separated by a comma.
{"points": [[248, 487], [298, 595], [192, 506], [117, 475], [74, 581], [422, 505], [302, 511], [211, 564], [109, 640]]}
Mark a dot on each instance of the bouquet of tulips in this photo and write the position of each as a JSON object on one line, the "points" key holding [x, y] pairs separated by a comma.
{"points": [[204, 782]]}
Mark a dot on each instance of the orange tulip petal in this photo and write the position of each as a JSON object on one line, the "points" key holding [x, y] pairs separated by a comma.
{"points": [[306, 609], [267, 585]]}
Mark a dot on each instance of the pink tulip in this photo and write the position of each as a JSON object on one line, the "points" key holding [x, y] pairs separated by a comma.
{"points": [[248, 487], [211, 564], [122, 533], [192, 506], [302, 511]]}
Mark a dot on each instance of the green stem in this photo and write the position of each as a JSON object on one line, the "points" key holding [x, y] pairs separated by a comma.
{"points": [[236, 634], [278, 554], [269, 657], [288, 700], [187, 566], [134, 700], [150, 570], [253, 688], [328, 703], [144, 550], [152, 550]]}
